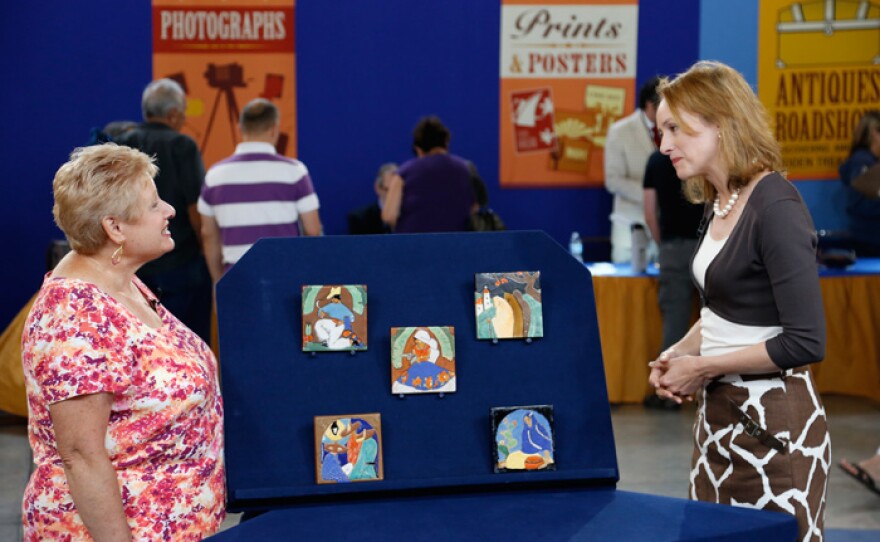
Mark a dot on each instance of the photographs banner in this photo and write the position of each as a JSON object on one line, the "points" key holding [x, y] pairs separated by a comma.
{"points": [[567, 71], [818, 72], [225, 56]]}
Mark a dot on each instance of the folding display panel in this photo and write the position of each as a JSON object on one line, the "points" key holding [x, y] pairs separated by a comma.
{"points": [[439, 453], [273, 390]]}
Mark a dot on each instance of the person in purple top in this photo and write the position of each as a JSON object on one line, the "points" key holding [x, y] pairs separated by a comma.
{"points": [[434, 191]]}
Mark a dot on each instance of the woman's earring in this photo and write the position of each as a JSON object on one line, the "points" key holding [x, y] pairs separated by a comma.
{"points": [[117, 255]]}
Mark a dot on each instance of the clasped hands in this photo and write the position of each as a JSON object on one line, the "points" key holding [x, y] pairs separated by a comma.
{"points": [[675, 376]]}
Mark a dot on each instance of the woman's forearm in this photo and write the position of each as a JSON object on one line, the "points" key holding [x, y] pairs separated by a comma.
{"points": [[95, 492], [689, 345], [751, 360]]}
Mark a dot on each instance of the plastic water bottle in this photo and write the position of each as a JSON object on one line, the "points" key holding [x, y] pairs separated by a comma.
{"points": [[639, 248], [576, 247]]}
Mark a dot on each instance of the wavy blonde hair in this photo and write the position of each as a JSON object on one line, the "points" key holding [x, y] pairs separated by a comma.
{"points": [[722, 97], [97, 182]]}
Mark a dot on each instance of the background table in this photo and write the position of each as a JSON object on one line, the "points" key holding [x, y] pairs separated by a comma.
{"points": [[631, 329]]}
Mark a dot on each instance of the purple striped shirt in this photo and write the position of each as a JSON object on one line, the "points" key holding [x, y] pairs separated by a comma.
{"points": [[256, 193]]}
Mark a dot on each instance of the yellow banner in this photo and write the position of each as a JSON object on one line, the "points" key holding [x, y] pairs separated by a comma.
{"points": [[818, 72], [225, 55], [567, 72]]}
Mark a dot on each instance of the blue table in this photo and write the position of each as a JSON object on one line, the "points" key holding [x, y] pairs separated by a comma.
{"points": [[545, 515]]}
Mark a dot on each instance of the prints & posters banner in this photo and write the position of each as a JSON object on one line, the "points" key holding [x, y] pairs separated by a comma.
{"points": [[225, 55], [818, 72], [567, 72]]}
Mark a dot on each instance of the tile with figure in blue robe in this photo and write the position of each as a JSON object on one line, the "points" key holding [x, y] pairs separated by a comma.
{"points": [[423, 359], [523, 438], [348, 448], [508, 305], [334, 317]]}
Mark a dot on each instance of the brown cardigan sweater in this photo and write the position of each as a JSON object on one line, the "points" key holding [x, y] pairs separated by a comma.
{"points": [[766, 274]]}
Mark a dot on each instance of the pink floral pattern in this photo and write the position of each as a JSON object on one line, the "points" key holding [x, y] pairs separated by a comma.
{"points": [[165, 435]]}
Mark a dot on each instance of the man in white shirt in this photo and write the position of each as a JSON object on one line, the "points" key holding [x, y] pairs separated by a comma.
{"points": [[629, 144]]}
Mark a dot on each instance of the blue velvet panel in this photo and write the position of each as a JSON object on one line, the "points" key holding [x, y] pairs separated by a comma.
{"points": [[272, 390], [575, 516]]}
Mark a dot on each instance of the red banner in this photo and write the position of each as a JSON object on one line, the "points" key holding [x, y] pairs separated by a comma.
{"points": [[209, 30]]}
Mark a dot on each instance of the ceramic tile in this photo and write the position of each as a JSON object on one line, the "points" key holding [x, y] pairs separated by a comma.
{"points": [[508, 305], [423, 360], [348, 448], [334, 317]]}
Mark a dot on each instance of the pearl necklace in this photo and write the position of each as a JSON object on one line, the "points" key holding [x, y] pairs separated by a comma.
{"points": [[722, 213]]}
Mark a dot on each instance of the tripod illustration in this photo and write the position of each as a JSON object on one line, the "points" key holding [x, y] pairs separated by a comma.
{"points": [[224, 78]]}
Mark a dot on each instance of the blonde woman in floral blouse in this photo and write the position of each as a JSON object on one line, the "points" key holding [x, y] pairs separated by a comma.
{"points": [[126, 419]]}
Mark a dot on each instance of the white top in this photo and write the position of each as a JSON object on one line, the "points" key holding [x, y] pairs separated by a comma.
{"points": [[721, 336], [709, 248]]}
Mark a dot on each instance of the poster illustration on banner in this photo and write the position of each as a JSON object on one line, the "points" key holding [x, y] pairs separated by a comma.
{"points": [[224, 56], [423, 360], [567, 71], [508, 305], [524, 438], [334, 317], [348, 448], [533, 120], [581, 134], [818, 73]]}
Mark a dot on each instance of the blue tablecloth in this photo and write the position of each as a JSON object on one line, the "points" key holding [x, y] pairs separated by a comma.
{"points": [[576, 515]]}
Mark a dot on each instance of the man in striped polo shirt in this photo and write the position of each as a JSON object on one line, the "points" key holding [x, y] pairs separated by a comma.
{"points": [[255, 193]]}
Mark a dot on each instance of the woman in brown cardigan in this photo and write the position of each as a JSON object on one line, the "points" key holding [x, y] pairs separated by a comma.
{"points": [[761, 439]]}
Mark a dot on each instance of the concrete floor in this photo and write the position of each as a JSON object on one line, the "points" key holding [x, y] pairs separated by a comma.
{"points": [[653, 450]]}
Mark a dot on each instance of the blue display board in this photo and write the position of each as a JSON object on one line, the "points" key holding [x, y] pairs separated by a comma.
{"points": [[272, 390]]}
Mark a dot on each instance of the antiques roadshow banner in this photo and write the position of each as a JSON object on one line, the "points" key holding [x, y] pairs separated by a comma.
{"points": [[225, 55], [818, 72], [567, 72]]}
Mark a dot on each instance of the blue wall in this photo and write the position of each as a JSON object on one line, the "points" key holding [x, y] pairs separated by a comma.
{"points": [[367, 70], [360, 97], [67, 66]]}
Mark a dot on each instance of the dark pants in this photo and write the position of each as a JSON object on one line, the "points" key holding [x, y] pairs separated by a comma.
{"points": [[676, 291], [186, 292]]}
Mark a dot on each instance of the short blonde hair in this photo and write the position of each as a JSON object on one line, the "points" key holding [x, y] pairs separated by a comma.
{"points": [[720, 95], [97, 182]]}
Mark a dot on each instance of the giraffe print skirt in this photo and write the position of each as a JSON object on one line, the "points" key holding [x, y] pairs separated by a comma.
{"points": [[776, 457]]}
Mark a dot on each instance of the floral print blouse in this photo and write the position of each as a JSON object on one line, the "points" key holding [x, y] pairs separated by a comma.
{"points": [[165, 433]]}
